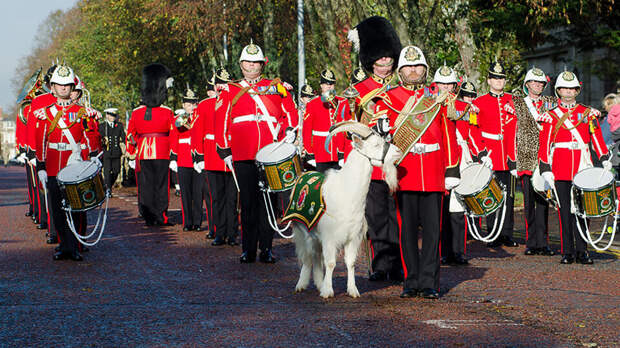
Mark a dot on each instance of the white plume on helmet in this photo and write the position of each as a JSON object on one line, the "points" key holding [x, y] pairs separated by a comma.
{"points": [[445, 74], [534, 74], [252, 53], [63, 75]]}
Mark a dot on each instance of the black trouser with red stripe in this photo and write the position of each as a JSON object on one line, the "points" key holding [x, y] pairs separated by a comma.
{"points": [[153, 190], [383, 228], [68, 242], [256, 229], [207, 197], [508, 180], [571, 240], [192, 184], [420, 209], [453, 231], [224, 196], [536, 215], [31, 198]]}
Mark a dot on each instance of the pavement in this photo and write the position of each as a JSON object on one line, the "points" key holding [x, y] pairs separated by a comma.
{"points": [[163, 287]]}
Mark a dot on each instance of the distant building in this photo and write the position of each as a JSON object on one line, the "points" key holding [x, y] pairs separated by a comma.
{"points": [[7, 139]]}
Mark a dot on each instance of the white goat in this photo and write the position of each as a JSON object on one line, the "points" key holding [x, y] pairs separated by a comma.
{"points": [[344, 223]]}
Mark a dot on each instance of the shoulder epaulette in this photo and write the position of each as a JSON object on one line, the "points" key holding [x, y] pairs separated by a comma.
{"points": [[139, 107], [165, 107]]}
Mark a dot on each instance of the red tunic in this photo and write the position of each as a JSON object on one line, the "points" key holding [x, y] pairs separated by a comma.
{"points": [[53, 148], [467, 134], [91, 127], [181, 144], [318, 118], [243, 127], [21, 130], [203, 140], [151, 136], [561, 150], [425, 172], [498, 126], [32, 123]]}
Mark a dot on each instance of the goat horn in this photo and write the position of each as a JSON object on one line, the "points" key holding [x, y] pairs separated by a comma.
{"points": [[347, 126]]}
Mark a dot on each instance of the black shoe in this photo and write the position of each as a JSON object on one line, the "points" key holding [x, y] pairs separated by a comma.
{"points": [[378, 276], [52, 240], [246, 258], [460, 260], [531, 251], [396, 276], [546, 251], [185, 229], [218, 241], [584, 258], [35, 220], [267, 257], [232, 242], [59, 255], [495, 244], [161, 223], [510, 243], [445, 260], [567, 259], [177, 193], [75, 256], [57, 248], [210, 235], [409, 293], [85, 249], [197, 228], [28, 213], [42, 226], [430, 293], [149, 223]]}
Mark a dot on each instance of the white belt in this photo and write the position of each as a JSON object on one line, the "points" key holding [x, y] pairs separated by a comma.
{"points": [[424, 148], [462, 142], [63, 146], [492, 136], [320, 134], [185, 141], [573, 145], [210, 136], [246, 118]]}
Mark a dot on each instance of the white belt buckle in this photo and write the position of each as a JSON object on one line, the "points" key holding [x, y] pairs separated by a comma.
{"points": [[419, 148], [61, 146], [574, 145]]}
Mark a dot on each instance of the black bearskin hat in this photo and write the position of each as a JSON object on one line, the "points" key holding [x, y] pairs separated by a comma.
{"points": [[154, 90], [375, 38]]}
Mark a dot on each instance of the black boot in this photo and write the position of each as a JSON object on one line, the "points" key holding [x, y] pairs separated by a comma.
{"points": [[266, 256]]}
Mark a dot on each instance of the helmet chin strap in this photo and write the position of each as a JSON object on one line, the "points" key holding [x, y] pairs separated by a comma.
{"points": [[375, 162]]}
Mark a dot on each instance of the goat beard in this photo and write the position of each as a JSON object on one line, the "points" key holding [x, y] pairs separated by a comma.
{"points": [[390, 175]]}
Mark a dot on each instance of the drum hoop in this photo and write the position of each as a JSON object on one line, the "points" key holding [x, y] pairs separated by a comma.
{"points": [[80, 181], [278, 162], [593, 189], [483, 187]]}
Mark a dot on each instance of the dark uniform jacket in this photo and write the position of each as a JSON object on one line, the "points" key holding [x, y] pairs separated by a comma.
{"points": [[111, 139]]}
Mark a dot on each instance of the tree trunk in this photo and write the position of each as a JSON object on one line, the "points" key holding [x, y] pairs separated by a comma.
{"points": [[467, 49]]}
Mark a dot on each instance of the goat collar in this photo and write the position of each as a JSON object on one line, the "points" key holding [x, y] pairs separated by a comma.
{"points": [[375, 162]]}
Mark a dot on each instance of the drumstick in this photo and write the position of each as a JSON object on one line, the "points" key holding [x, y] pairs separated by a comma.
{"points": [[480, 169], [281, 141], [89, 164]]}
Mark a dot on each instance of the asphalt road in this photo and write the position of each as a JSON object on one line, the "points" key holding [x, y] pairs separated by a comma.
{"points": [[163, 287]]}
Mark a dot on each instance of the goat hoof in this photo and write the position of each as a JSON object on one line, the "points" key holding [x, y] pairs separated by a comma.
{"points": [[299, 288], [353, 293], [327, 293]]}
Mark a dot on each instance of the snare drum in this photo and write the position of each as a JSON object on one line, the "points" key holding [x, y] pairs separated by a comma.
{"points": [[280, 164], [81, 186], [542, 188], [478, 191], [594, 192]]}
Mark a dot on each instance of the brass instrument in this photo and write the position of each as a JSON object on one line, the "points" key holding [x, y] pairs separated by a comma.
{"points": [[32, 87], [20, 111]]}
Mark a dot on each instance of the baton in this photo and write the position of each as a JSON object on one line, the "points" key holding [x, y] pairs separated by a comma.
{"points": [[232, 170]]}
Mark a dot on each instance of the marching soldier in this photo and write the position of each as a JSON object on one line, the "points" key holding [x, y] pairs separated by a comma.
{"points": [[379, 49], [112, 135], [90, 122], [251, 114], [321, 113], [147, 135], [224, 221], [568, 132], [191, 182], [453, 226], [60, 139], [306, 94], [528, 110], [425, 173], [498, 126]]}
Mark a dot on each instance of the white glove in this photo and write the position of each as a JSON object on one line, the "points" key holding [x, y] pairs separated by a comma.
{"points": [[42, 176], [474, 108], [21, 158], [549, 179], [607, 165], [199, 166], [132, 164], [312, 163], [487, 162], [514, 173], [290, 136], [228, 160], [595, 113], [33, 161], [173, 165], [97, 161], [452, 182], [76, 156], [341, 163]]}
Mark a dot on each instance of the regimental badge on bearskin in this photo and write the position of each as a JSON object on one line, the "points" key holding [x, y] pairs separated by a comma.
{"points": [[412, 54], [568, 76]]}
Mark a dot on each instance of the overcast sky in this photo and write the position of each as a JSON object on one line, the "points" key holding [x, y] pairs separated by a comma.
{"points": [[19, 20]]}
